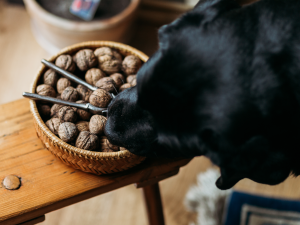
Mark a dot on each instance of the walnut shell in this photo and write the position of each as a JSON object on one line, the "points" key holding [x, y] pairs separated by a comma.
{"points": [[66, 63], [100, 98], [133, 83], [131, 64], [118, 78], [105, 54], [85, 59], [67, 114], [83, 93], [44, 110], [67, 131], [108, 84], [83, 114], [111, 66], [53, 124], [93, 75], [111, 146], [97, 124], [104, 148], [46, 90], [124, 87], [50, 77], [70, 94], [130, 78], [55, 108], [82, 126], [87, 141], [62, 84]]}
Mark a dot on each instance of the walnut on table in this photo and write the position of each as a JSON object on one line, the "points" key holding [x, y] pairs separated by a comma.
{"points": [[46, 90], [66, 63], [85, 59], [87, 141], [93, 75], [67, 132], [108, 84], [100, 98], [97, 124], [50, 77], [62, 84], [131, 64]]}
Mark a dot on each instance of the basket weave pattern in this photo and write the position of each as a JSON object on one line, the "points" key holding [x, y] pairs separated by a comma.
{"points": [[87, 161]]}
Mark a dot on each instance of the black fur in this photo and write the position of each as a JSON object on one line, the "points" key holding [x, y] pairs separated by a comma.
{"points": [[225, 83]]}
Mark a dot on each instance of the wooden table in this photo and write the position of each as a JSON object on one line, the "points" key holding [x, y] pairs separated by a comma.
{"points": [[47, 184]]}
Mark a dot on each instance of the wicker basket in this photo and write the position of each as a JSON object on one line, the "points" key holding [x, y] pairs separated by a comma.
{"points": [[87, 161]]}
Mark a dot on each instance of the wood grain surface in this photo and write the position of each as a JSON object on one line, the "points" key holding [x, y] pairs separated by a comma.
{"points": [[47, 184]]}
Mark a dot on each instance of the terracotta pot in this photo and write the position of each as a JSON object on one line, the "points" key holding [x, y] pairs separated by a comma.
{"points": [[54, 33]]}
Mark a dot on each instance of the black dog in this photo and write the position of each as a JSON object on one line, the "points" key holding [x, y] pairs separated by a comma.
{"points": [[225, 83]]}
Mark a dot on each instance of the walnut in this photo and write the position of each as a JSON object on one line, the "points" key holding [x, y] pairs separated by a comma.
{"points": [[93, 75], [123, 149], [118, 78], [82, 126], [85, 59], [46, 90], [130, 78], [111, 66], [97, 124], [100, 98], [108, 84], [55, 108], [104, 148], [66, 63], [53, 124], [87, 141], [70, 94], [124, 87], [105, 54], [67, 131], [44, 110], [111, 146], [62, 84], [50, 77], [131, 64], [133, 83], [83, 114], [83, 92], [67, 114]]}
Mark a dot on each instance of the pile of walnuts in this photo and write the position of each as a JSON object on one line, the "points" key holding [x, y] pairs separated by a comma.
{"points": [[104, 68]]}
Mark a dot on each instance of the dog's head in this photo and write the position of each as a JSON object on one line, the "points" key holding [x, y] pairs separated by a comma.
{"points": [[197, 96]]}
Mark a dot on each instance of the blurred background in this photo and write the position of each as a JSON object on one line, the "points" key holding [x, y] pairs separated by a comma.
{"points": [[33, 30], [29, 34]]}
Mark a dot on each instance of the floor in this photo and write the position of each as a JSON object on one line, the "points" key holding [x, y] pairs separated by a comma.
{"points": [[20, 57]]}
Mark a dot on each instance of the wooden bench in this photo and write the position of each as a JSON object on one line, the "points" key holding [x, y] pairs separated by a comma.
{"points": [[47, 184]]}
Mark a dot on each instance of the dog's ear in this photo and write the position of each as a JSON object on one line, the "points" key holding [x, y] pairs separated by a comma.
{"points": [[228, 179], [256, 160], [239, 163]]}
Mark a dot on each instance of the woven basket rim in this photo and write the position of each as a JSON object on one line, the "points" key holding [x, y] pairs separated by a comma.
{"points": [[57, 141]]}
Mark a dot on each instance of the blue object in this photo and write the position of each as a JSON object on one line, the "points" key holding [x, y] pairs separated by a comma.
{"points": [[85, 9], [247, 209]]}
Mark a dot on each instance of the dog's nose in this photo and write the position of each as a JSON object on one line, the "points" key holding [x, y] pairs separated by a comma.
{"points": [[108, 132]]}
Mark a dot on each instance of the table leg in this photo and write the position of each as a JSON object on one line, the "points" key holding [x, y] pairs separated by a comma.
{"points": [[153, 204]]}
